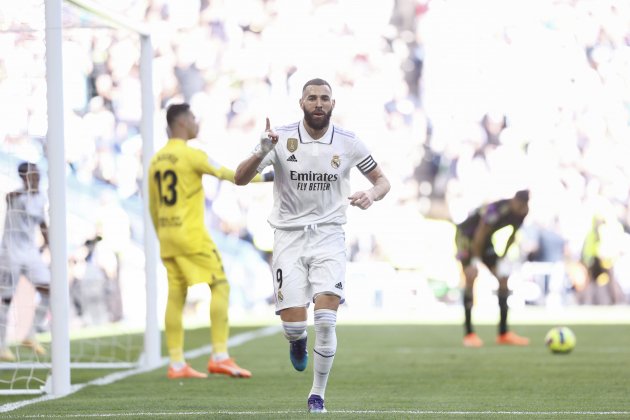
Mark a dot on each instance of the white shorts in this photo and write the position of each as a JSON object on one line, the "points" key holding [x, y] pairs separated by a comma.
{"points": [[307, 263], [28, 263]]}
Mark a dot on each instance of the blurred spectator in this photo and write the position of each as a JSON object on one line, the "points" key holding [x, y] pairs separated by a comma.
{"points": [[113, 226], [93, 270], [544, 243], [601, 248]]}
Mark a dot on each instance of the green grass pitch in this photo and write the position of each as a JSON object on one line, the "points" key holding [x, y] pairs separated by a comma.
{"points": [[380, 372]]}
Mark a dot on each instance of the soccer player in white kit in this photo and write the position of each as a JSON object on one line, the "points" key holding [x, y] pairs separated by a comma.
{"points": [[20, 254], [312, 163]]}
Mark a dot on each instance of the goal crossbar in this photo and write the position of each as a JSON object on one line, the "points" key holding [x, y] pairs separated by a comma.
{"points": [[115, 19]]}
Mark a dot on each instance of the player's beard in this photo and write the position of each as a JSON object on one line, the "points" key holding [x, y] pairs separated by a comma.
{"points": [[315, 123]]}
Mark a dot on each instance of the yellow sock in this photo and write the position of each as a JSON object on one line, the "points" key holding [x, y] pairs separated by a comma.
{"points": [[219, 327], [174, 328]]}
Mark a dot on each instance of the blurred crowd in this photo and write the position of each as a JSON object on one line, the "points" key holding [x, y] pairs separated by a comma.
{"points": [[460, 102], [537, 99]]}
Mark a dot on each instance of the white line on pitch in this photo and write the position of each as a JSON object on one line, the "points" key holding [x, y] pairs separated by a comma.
{"points": [[377, 412]]}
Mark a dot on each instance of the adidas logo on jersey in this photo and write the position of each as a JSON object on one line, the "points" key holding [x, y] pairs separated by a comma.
{"points": [[339, 286], [292, 158]]}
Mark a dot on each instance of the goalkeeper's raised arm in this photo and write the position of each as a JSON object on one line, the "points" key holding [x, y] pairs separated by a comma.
{"points": [[248, 169]]}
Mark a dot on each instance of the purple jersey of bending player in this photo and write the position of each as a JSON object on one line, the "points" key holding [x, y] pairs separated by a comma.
{"points": [[496, 215]]}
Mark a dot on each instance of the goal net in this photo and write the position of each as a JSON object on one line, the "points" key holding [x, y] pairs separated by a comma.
{"points": [[105, 218]]}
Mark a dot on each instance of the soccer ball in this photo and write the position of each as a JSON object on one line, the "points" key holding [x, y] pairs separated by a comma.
{"points": [[560, 340]]}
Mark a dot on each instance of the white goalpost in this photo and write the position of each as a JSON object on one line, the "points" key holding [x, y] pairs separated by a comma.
{"points": [[59, 291], [59, 378]]}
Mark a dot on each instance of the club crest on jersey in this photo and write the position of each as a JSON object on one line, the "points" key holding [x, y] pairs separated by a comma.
{"points": [[292, 144], [335, 162]]}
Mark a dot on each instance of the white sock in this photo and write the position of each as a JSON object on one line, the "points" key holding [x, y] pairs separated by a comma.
{"points": [[219, 357], [178, 365], [324, 349], [294, 330]]}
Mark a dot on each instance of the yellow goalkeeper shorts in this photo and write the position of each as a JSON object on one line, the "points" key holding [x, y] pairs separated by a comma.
{"points": [[195, 268]]}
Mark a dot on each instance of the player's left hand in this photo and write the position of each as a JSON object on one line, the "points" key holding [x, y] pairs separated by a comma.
{"points": [[361, 199]]}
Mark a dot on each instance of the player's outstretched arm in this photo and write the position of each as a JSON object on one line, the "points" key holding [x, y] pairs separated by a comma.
{"points": [[381, 186], [247, 169], [227, 174]]}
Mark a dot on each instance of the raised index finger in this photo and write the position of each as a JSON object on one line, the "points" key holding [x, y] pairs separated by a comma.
{"points": [[268, 126]]}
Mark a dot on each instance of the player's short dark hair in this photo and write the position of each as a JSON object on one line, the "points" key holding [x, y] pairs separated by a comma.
{"points": [[174, 111], [26, 167], [316, 82], [522, 195]]}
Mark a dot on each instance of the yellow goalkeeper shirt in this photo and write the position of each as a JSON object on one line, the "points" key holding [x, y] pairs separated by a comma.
{"points": [[176, 198]]}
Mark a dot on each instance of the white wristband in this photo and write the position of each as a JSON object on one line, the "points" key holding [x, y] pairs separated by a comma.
{"points": [[258, 152], [265, 145], [476, 261]]}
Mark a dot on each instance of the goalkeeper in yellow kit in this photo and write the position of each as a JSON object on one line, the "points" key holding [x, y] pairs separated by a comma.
{"points": [[176, 203]]}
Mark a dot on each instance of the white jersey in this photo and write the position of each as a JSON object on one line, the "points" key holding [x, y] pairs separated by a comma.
{"points": [[312, 177], [25, 212]]}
